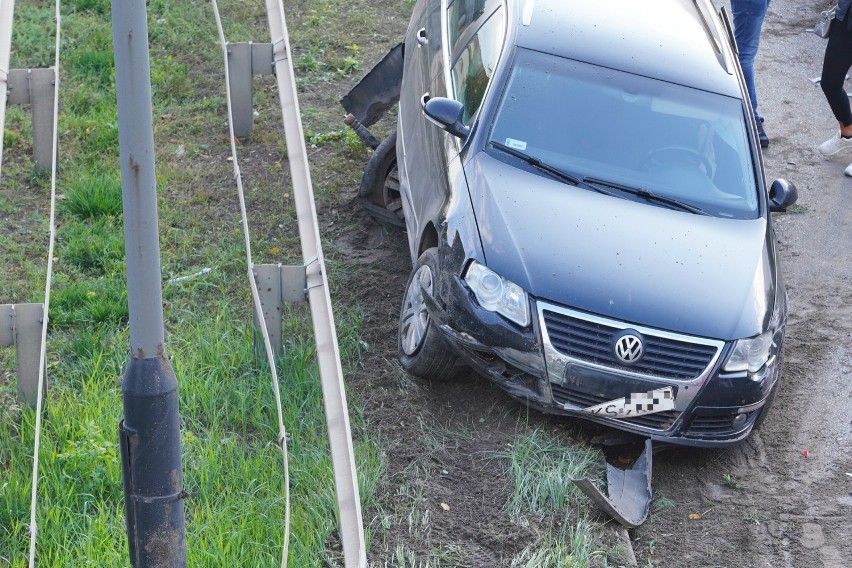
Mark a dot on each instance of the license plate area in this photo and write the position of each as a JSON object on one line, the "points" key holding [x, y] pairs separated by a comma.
{"points": [[611, 394]]}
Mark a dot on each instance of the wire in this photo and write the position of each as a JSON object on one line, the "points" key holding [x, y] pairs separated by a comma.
{"points": [[282, 432], [47, 286]]}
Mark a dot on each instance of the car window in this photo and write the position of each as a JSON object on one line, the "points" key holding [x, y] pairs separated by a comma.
{"points": [[463, 13], [591, 121], [474, 68]]}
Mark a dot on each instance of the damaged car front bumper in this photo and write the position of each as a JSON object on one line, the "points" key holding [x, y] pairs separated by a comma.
{"points": [[562, 364]]}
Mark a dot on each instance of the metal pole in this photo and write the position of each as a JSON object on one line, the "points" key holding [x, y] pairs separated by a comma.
{"points": [[7, 8], [150, 431], [328, 355]]}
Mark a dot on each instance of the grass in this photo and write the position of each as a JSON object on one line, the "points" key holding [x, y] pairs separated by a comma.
{"points": [[231, 459], [232, 462], [568, 546], [728, 480], [540, 467]]}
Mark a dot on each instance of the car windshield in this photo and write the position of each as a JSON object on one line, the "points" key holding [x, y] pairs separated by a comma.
{"points": [[593, 122]]}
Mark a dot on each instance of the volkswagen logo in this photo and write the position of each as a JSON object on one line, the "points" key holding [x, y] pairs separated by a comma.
{"points": [[628, 347]]}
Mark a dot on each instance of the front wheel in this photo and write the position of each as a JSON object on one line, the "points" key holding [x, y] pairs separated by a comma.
{"points": [[423, 351]]}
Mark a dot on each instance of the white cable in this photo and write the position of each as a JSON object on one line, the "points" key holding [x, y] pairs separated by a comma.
{"points": [[282, 432], [48, 281]]}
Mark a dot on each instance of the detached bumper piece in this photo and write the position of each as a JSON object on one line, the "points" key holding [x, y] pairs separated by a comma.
{"points": [[629, 491]]}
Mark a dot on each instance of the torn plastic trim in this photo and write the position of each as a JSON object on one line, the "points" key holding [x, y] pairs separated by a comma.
{"points": [[628, 498]]}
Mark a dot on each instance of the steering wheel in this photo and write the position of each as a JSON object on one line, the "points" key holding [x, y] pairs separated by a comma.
{"points": [[660, 157]]}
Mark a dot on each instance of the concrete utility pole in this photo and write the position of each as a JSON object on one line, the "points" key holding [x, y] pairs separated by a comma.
{"points": [[150, 431]]}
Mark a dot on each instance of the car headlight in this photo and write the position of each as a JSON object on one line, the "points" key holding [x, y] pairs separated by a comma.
{"points": [[496, 294], [750, 354]]}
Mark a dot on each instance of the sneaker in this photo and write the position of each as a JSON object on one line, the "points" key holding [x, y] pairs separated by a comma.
{"points": [[835, 144], [848, 170], [761, 134]]}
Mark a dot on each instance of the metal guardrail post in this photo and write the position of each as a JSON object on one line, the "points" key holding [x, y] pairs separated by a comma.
{"points": [[20, 325], [244, 61], [36, 87], [150, 431], [277, 283]]}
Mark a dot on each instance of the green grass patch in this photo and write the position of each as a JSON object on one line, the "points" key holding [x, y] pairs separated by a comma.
{"points": [[94, 195], [563, 546], [93, 246], [77, 301], [540, 467]]}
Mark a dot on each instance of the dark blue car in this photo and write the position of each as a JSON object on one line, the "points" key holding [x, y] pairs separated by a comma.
{"points": [[584, 199]]}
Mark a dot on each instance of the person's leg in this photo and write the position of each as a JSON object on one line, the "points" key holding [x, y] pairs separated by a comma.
{"points": [[838, 60], [748, 21]]}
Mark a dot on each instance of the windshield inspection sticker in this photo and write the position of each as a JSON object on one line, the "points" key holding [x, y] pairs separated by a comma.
{"points": [[516, 144], [636, 404]]}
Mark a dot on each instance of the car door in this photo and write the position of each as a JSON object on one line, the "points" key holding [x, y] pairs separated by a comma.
{"points": [[456, 33], [411, 127]]}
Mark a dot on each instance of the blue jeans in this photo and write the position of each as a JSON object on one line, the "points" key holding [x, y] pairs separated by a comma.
{"points": [[748, 21]]}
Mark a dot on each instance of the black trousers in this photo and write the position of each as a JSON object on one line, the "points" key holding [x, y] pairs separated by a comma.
{"points": [[838, 60]]}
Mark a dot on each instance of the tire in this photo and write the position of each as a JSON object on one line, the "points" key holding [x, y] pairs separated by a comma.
{"points": [[423, 351], [379, 190]]}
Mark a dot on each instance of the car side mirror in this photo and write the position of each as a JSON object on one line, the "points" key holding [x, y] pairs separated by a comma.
{"points": [[782, 194], [447, 113]]}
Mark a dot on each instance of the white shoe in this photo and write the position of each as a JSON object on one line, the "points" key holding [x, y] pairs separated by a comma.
{"points": [[835, 144], [848, 170]]}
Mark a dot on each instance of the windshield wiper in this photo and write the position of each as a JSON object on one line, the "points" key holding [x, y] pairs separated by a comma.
{"points": [[536, 162], [646, 195]]}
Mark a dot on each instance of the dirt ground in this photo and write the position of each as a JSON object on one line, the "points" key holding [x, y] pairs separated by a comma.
{"points": [[782, 499]]}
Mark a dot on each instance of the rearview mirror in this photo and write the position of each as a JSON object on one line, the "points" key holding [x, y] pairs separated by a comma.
{"points": [[448, 114], [782, 194]]}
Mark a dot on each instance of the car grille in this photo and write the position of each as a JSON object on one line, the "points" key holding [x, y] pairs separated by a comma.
{"points": [[566, 395], [591, 341]]}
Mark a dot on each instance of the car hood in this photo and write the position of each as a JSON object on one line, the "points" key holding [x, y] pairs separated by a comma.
{"points": [[629, 261]]}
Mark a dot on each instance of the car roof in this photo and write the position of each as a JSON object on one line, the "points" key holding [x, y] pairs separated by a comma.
{"points": [[665, 39]]}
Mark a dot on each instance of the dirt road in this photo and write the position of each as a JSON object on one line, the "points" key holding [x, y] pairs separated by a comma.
{"points": [[783, 499]]}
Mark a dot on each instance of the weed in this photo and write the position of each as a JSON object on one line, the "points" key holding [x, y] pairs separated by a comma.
{"points": [[661, 504], [94, 195], [568, 546], [94, 246], [539, 466], [729, 481], [86, 302], [756, 517]]}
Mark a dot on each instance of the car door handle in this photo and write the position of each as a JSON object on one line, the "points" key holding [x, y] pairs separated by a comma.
{"points": [[424, 99], [421, 37]]}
